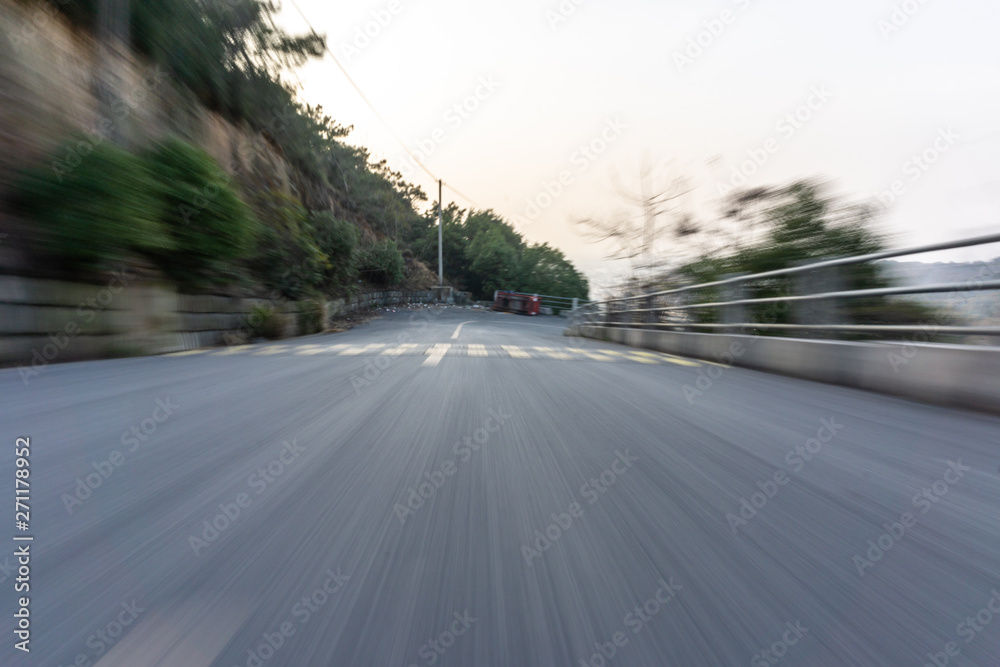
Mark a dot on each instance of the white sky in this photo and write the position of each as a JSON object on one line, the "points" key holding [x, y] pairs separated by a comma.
{"points": [[561, 83]]}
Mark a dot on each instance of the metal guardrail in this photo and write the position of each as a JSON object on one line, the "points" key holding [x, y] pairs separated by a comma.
{"points": [[666, 309]]}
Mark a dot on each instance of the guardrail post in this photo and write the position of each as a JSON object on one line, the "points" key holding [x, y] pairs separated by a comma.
{"points": [[649, 302], [821, 311], [735, 313]]}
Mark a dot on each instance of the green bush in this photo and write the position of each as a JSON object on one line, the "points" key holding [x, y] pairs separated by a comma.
{"points": [[288, 258], [382, 263], [95, 204], [208, 221], [338, 240], [312, 315], [265, 322]]}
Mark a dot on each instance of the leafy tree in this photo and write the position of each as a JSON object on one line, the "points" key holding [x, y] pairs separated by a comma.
{"points": [[545, 270], [493, 262], [338, 241], [797, 224], [382, 263]]}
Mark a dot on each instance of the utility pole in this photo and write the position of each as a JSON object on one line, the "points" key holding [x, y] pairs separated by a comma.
{"points": [[440, 238]]}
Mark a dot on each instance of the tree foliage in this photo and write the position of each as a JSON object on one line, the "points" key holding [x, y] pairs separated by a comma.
{"points": [[483, 253], [208, 222], [100, 210]]}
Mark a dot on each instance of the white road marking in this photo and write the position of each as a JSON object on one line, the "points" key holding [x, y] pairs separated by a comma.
{"points": [[436, 354], [458, 329], [478, 351]]}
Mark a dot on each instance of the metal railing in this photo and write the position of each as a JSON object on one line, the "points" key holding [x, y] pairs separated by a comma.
{"points": [[816, 304]]}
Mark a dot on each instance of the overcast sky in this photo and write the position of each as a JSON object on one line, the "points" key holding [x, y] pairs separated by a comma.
{"points": [[873, 82]]}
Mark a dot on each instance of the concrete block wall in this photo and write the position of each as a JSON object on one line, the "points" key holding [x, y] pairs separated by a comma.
{"points": [[47, 321], [959, 376]]}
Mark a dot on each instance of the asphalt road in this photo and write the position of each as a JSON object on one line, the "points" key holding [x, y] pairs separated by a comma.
{"points": [[515, 498]]}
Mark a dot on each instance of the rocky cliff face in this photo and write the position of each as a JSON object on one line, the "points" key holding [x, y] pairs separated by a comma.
{"points": [[49, 90]]}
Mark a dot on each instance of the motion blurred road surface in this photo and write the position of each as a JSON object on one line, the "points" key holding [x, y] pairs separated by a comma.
{"points": [[412, 493]]}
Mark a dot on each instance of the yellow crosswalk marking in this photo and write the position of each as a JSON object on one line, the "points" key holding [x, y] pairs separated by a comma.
{"points": [[680, 361], [435, 354], [402, 349], [642, 358], [596, 355], [309, 349], [478, 351], [186, 353], [270, 349], [515, 352], [668, 358], [555, 354], [231, 350], [355, 350]]}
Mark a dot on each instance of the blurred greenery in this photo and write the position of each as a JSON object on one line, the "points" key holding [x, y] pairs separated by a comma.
{"points": [[300, 231], [338, 241], [800, 224], [209, 223], [382, 263], [96, 206], [288, 257], [483, 252]]}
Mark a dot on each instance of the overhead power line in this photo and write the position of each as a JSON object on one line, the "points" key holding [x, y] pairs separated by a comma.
{"points": [[375, 111]]}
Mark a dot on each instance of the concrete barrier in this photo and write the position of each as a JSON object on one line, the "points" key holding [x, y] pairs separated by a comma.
{"points": [[954, 375], [47, 321]]}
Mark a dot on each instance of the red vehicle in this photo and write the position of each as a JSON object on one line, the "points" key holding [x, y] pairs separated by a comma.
{"points": [[516, 302]]}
